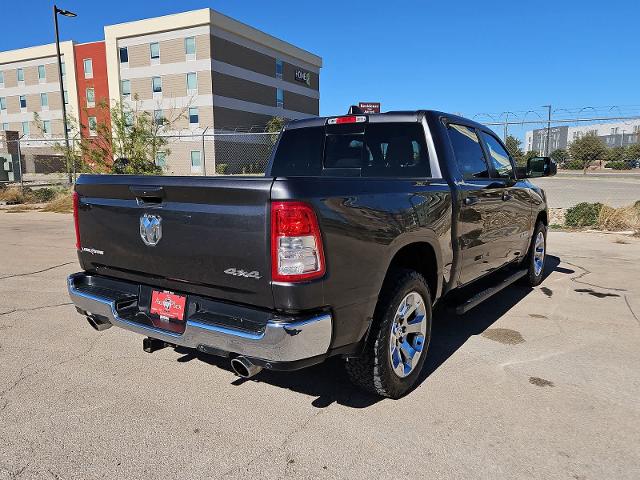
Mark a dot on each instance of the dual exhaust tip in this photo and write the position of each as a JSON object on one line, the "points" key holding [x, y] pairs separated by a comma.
{"points": [[240, 365]]}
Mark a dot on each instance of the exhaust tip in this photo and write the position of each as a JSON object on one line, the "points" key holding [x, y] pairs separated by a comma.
{"points": [[244, 368], [97, 323]]}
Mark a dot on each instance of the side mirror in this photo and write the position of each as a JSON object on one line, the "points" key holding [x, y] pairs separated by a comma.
{"points": [[541, 167]]}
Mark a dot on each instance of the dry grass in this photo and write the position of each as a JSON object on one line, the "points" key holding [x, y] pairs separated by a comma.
{"points": [[63, 203], [619, 219], [21, 208], [15, 195]]}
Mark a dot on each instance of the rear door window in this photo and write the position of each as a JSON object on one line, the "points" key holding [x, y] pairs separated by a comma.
{"points": [[468, 152], [498, 156], [363, 150]]}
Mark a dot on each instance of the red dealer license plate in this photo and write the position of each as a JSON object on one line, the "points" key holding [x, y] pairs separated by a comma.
{"points": [[168, 305]]}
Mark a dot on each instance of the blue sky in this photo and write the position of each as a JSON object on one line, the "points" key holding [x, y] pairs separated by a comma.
{"points": [[459, 56]]}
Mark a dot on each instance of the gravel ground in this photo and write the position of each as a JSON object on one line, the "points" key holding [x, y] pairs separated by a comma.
{"points": [[536, 383]]}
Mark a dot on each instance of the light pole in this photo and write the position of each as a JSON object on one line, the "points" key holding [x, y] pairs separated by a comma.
{"points": [[622, 141], [546, 147], [66, 13]]}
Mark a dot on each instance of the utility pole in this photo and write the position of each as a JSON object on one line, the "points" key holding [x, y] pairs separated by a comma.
{"points": [[546, 147], [66, 13]]}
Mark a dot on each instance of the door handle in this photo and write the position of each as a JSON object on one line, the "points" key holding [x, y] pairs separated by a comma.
{"points": [[470, 200], [506, 196]]}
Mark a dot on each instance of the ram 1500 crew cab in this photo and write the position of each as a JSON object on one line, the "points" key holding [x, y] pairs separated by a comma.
{"points": [[360, 224]]}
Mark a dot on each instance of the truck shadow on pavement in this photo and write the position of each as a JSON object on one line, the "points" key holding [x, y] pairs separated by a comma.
{"points": [[328, 382]]}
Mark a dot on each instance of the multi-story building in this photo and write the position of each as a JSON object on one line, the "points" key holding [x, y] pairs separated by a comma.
{"points": [[30, 97], [198, 71], [613, 134]]}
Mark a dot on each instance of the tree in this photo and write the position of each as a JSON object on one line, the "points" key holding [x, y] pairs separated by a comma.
{"points": [[275, 124], [632, 152], [615, 154], [129, 143], [529, 155], [560, 156], [586, 150], [514, 147]]}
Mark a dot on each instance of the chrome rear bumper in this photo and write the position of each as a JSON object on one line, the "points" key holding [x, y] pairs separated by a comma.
{"points": [[281, 339]]}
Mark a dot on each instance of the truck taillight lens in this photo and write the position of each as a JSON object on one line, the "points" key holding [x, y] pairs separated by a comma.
{"points": [[76, 200], [296, 243]]}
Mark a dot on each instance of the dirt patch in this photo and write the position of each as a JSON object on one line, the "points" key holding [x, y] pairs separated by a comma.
{"points": [[540, 382], [505, 336]]}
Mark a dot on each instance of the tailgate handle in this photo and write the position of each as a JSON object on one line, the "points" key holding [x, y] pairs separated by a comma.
{"points": [[147, 194]]}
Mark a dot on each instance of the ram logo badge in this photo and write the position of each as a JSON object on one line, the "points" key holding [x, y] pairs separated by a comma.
{"points": [[241, 273], [150, 229]]}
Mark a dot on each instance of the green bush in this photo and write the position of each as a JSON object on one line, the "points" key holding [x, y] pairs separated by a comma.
{"points": [[617, 165], [222, 168], [583, 215], [44, 194], [573, 165]]}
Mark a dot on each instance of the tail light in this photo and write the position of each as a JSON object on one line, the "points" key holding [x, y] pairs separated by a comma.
{"points": [[76, 200], [348, 119], [296, 243]]}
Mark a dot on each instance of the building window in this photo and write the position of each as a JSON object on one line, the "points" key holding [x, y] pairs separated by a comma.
{"points": [[3, 103], [156, 85], [91, 97], [161, 159], [193, 116], [64, 69], [25, 128], [158, 117], [20, 74], [124, 55], [192, 83], [195, 160], [190, 45], [23, 101], [614, 131], [46, 127], [88, 68], [1, 79], [42, 74], [93, 126], [279, 98], [279, 68], [5, 126], [44, 100], [125, 85], [65, 96], [154, 50]]}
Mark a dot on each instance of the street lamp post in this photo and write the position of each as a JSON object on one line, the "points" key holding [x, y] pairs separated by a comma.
{"points": [[546, 147], [66, 13]]}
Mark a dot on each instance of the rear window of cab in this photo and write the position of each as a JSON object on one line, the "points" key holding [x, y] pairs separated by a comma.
{"points": [[358, 150]]}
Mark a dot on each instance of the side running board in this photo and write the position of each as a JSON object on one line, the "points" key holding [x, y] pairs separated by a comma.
{"points": [[489, 292]]}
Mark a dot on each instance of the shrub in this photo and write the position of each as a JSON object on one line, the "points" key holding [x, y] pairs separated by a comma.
{"points": [[45, 194], [222, 168], [61, 204], [617, 165], [573, 165], [583, 215], [616, 219]]}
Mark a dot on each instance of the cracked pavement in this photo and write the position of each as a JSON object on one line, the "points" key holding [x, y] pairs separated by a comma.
{"points": [[540, 383]]}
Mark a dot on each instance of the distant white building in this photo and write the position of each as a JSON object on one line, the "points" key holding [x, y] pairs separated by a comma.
{"points": [[613, 134]]}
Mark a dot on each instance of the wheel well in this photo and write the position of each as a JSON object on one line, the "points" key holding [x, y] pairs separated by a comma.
{"points": [[419, 257], [543, 217]]}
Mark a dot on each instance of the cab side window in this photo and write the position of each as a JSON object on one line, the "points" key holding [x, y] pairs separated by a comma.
{"points": [[468, 152], [498, 156]]}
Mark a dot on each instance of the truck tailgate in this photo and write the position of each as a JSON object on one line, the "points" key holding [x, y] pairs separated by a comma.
{"points": [[208, 226]]}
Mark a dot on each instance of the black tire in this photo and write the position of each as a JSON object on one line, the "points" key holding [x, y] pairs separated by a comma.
{"points": [[533, 278], [373, 371]]}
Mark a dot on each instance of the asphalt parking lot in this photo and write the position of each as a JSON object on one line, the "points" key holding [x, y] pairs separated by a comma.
{"points": [[615, 190], [540, 383]]}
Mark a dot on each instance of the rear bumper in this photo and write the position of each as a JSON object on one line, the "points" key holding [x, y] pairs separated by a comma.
{"points": [[271, 338]]}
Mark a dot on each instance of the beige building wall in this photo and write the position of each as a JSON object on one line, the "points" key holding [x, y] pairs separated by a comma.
{"points": [[29, 59]]}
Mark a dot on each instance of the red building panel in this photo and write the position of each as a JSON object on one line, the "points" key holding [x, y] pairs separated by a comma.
{"points": [[95, 51]]}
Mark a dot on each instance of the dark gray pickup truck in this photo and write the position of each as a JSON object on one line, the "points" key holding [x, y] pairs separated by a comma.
{"points": [[360, 224]]}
